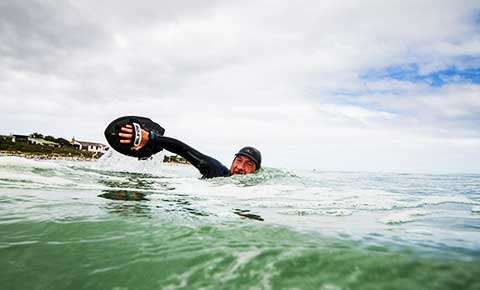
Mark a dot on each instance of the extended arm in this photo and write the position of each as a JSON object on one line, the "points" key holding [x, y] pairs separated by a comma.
{"points": [[208, 166]]}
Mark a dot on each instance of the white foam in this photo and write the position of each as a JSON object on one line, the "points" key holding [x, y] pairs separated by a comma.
{"points": [[354, 203], [403, 217], [476, 209], [424, 232], [113, 161], [33, 180], [435, 200], [308, 212], [14, 161]]}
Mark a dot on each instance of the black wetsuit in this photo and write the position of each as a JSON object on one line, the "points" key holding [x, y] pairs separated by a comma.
{"points": [[208, 166]]}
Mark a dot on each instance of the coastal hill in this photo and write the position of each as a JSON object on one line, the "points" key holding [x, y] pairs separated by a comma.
{"points": [[39, 146]]}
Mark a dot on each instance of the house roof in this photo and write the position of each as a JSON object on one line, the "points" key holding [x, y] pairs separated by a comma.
{"points": [[43, 141], [84, 143]]}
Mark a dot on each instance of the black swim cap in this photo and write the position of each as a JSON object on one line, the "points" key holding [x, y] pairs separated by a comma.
{"points": [[253, 154]]}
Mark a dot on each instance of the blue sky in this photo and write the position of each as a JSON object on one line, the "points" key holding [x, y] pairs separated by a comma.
{"points": [[369, 86], [411, 73]]}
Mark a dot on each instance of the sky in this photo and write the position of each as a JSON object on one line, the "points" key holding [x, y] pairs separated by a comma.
{"points": [[383, 86]]}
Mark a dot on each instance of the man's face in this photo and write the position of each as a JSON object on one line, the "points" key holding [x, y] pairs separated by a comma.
{"points": [[242, 165]]}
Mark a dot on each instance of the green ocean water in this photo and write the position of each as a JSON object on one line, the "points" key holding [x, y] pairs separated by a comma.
{"points": [[91, 226], [136, 253]]}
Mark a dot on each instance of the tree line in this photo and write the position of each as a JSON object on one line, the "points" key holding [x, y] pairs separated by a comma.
{"points": [[61, 141]]}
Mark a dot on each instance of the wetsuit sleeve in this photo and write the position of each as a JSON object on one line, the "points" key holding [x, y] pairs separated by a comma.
{"points": [[208, 166]]}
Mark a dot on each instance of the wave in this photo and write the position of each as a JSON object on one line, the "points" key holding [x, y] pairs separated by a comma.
{"points": [[329, 202]]}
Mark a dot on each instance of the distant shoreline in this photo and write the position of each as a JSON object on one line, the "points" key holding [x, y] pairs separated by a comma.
{"points": [[167, 159], [47, 156]]}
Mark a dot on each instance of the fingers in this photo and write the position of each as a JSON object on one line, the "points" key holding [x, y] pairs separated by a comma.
{"points": [[129, 136], [126, 132], [127, 128]]}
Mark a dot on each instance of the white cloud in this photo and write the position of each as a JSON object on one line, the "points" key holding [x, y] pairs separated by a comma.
{"points": [[284, 76]]}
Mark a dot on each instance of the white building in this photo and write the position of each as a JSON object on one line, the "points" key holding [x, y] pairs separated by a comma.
{"points": [[89, 146], [42, 142]]}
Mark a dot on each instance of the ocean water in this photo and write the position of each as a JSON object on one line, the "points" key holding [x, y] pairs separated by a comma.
{"points": [[118, 223]]}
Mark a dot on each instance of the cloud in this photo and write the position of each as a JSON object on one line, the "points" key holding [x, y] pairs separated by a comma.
{"points": [[362, 77]]}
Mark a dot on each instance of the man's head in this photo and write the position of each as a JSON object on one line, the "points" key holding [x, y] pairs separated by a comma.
{"points": [[247, 160]]}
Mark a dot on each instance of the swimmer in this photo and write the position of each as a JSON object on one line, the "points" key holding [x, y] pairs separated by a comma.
{"points": [[247, 160]]}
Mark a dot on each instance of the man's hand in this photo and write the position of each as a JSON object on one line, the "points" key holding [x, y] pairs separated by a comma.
{"points": [[127, 135]]}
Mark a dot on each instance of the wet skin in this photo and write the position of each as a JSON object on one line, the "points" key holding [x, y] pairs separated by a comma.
{"points": [[127, 133], [242, 165]]}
